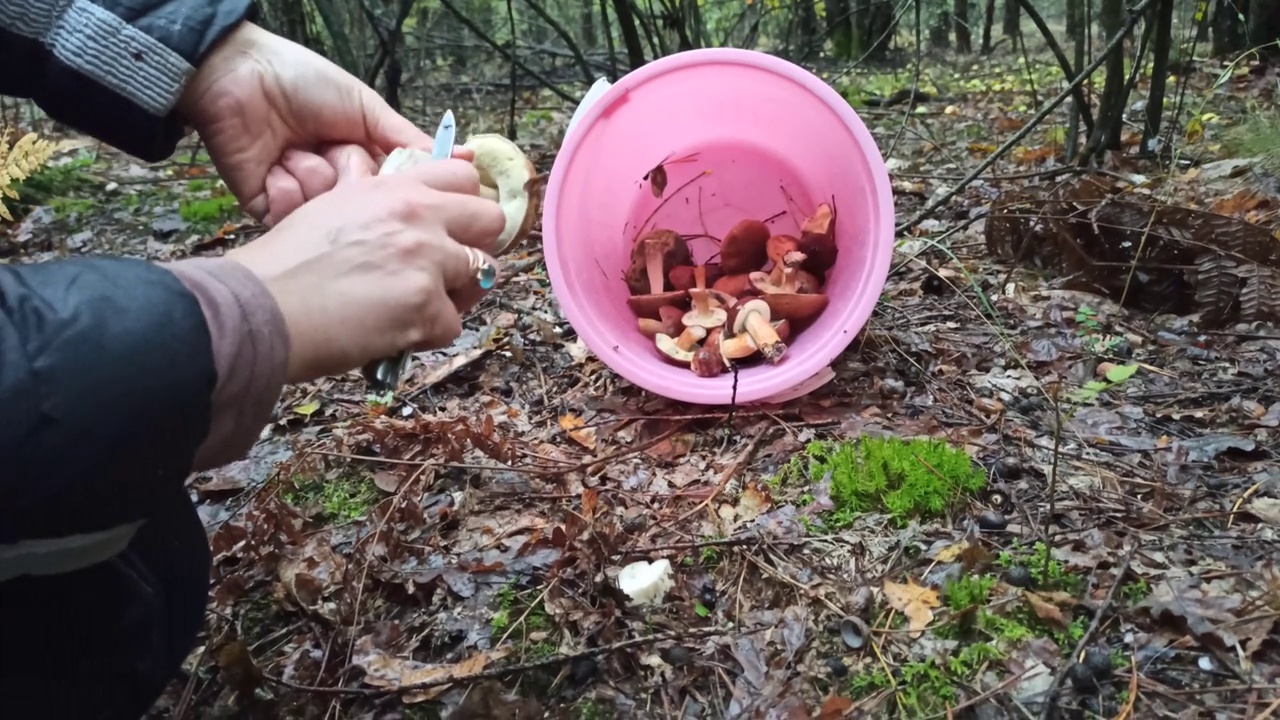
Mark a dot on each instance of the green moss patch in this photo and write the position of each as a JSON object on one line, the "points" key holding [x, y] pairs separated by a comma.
{"points": [[906, 479]]}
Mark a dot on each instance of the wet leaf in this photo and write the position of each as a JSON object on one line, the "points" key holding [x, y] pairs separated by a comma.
{"points": [[914, 601]]}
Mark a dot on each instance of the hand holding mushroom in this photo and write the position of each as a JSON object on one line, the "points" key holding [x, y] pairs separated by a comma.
{"points": [[507, 177], [710, 317]]}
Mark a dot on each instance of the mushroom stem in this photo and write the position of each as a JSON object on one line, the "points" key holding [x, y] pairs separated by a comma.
{"points": [[765, 337], [701, 300], [653, 266], [690, 337]]}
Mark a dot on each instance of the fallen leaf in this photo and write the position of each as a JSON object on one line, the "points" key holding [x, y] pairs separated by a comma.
{"points": [[1046, 610], [1265, 509], [952, 552], [573, 426], [307, 409], [385, 671], [834, 707], [914, 601]]}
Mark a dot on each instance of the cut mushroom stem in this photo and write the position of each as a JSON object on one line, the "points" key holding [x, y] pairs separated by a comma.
{"points": [[753, 316], [690, 337], [653, 267], [670, 348], [667, 322], [704, 313], [737, 348]]}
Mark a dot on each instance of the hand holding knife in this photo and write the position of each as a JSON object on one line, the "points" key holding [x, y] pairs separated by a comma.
{"points": [[384, 375]]}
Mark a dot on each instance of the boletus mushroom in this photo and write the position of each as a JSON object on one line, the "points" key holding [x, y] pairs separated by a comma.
{"points": [[785, 279], [652, 258], [736, 285], [743, 247], [707, 360], [510, 178], [752, 318], [680, 349], [818, 241], [685, 277], [799, 308], [667, 323], [707, 312]]}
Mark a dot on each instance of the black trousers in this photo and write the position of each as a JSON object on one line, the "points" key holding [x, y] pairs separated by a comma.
{"points": [[104, 641]]}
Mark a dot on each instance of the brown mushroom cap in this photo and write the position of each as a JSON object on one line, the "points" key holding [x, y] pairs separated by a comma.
{"points": [[652, 258], [707, 361], [650, 306], [735, 285], [685, 277], [743, 247], [817, 240], [797, 308], [778, 247]]}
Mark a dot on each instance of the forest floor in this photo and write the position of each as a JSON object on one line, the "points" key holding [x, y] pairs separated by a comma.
{"points": [[1112, 555]]}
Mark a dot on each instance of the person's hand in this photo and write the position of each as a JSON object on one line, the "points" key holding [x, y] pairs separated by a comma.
{"points": [[269, 111], [377, 265]]}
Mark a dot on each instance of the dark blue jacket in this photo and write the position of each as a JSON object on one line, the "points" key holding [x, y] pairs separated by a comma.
{"points": [[106, 376]]}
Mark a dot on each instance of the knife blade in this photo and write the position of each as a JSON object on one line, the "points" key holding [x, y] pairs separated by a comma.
{"points": [[384, 375]]}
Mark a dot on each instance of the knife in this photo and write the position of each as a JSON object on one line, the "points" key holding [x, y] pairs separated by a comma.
{"points": [[383, 375]]}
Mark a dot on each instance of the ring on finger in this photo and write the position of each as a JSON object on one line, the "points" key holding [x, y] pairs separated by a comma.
{"points": [[485, 272]]}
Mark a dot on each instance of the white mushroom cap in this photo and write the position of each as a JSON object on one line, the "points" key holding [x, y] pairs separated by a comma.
{"points": [[505, 171]]}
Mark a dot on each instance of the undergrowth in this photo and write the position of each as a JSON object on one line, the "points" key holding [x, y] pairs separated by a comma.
{"points": [[1256, 136], [906, 479]]}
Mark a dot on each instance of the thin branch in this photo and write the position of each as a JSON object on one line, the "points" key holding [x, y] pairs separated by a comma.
{"points": [[508, 54], [1114, 46]]}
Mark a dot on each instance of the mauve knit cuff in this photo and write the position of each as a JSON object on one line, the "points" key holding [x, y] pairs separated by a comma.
{"points": [[250, 351]]}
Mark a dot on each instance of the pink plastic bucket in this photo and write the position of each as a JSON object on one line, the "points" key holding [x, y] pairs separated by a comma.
{"points": [[758, 124]]}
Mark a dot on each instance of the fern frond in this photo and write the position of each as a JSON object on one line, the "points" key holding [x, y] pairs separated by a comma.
{"points": [[18, 161]]}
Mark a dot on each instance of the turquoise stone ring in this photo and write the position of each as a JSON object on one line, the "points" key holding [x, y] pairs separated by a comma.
{"points": [[486, 272], [487, 276]]}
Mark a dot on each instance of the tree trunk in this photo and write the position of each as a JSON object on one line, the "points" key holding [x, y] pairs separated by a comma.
{"points": [[1230, 27], [988, 19], [840, 28], [1012, 18], [630, 34], [587, 27], [807, 27], [1161, 48], [964, 37], [940, 29], [873, 24], [1264, 26], [1106, 131]]}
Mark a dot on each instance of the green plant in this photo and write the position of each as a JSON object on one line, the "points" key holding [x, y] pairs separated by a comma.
{"points": [[905, 478], [18, 162], [335, 500], [1114, 376], [1094, 339], [211, 210]]}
